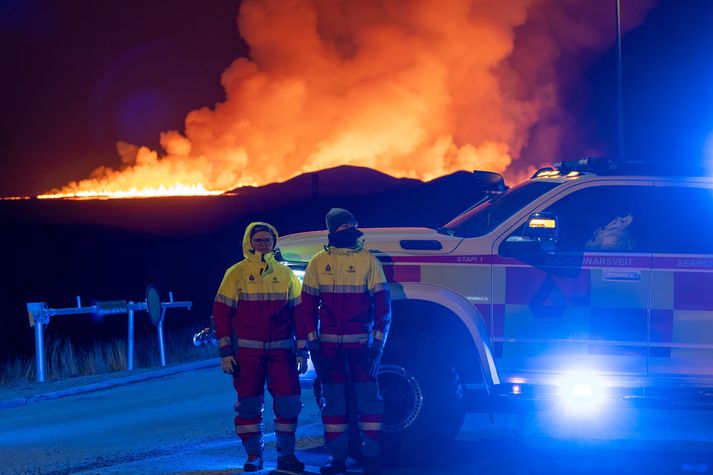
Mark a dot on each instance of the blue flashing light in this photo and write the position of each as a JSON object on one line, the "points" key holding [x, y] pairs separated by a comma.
{"points": [[582, 393]]}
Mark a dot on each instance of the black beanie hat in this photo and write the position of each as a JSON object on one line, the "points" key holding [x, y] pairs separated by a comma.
{"points": [[338, 216]]}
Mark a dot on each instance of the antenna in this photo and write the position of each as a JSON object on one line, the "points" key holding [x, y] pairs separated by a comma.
{"points": [[620, 80]]}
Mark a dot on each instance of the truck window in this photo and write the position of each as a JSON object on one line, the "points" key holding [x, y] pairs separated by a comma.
{"points": [[486, 216], [685, 215], [604, 219]]}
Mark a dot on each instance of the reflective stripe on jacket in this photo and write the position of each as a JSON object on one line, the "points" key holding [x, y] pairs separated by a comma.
{"points": [[255, 301], [347, 291]]}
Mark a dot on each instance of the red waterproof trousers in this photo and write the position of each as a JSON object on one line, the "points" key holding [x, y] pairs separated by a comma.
{"points": [[277, 368], [334, 365]]}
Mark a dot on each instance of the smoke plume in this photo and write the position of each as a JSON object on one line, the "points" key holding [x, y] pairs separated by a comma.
{"points": [[413, 88]]}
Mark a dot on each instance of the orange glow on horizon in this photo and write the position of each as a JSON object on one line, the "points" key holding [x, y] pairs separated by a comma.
{"points": [[15, 198], [147, 192]]}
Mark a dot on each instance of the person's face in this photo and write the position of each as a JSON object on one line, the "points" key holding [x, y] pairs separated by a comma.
{"points": [[262, 242]]}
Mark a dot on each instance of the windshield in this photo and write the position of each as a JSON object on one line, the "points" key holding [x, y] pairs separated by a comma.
{"points": [[487, 215]]}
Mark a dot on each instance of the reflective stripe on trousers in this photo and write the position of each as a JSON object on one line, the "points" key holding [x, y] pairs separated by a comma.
{"points": [[369, 425], [248, 429], [266, 345], [331, 338], [285, 427], [336, 428]]}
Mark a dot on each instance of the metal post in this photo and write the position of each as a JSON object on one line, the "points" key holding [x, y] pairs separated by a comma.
{"points": [[40, 350], [160, 341], [39, 315], [620, 80], [131, 338]]}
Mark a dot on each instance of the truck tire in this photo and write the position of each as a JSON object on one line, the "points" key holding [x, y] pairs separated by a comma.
{"points": [[423, 398], [423, 402]]}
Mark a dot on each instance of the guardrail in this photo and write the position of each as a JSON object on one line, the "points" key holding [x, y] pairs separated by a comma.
{"points": [[40, 314]]}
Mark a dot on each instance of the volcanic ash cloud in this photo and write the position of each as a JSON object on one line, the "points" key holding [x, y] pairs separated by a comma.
{"points": [[411, 88]]}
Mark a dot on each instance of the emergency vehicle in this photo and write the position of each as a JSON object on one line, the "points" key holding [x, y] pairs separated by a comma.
{"points": [[591, 280]]}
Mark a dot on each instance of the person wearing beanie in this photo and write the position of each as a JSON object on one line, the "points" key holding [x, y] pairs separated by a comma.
{"points": [[338, 219], [344, 319], [253, 314]]}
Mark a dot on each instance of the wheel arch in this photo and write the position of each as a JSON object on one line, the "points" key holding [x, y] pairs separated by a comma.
{"points": [[459, 308]]}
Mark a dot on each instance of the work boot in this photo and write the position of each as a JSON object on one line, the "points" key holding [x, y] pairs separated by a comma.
{"points": [[290, 463], [253, 463], [371, 465], [333, 466]]}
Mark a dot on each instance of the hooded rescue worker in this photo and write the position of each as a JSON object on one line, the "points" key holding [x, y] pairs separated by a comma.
{"points": [[345, 316], [254, 326]]}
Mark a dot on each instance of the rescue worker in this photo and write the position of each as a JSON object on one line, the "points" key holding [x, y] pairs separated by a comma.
{"points": [[345, 316], [254, 326]]}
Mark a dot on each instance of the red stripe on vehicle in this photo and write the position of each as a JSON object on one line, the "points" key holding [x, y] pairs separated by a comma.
{"points": [[470, 259], [590, 261], [550, 260], [683, 263], [402, 273]]}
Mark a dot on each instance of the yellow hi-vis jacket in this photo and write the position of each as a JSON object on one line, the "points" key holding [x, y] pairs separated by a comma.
{"points": [[254, 305], [345, 289]]}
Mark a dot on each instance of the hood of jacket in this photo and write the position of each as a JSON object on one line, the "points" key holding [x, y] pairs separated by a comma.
{"points": [[251, 254]]}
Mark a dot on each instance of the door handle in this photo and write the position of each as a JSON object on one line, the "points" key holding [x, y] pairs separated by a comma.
{"points": [[621, 275]]}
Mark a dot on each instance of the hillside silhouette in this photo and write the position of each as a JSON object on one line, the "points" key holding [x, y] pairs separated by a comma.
{"points": [[104, 250]]}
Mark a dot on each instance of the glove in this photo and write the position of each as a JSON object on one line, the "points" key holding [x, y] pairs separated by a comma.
{"points": [[302, 356], [376, 350], [229, 365]]}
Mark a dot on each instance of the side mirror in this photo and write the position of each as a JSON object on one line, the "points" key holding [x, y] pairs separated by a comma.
{"points": [[490, 183], [539, 236]]}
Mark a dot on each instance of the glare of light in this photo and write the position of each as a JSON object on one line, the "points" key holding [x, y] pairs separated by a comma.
{"points": [[542, 223], [582, 392], [549, 174], [516, 389]]}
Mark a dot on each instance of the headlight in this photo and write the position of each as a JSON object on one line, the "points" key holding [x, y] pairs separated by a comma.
{"points": [[582, 392]]}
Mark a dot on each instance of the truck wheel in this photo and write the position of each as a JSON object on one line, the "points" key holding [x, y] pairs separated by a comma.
{"points": [[423, 406]]}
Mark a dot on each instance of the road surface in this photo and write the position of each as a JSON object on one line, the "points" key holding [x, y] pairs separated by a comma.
{"points": [[183, 424]]}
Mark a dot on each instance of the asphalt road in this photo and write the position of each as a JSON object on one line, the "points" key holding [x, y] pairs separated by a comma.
{"points": [[183, 424]]}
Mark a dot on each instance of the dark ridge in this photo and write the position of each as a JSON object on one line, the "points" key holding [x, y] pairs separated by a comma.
{"points": [[108, 250]]}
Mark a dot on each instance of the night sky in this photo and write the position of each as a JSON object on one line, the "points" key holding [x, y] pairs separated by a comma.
{"points": [[80, 75]]}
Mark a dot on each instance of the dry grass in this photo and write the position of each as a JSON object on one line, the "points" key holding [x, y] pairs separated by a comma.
{"points": [[64, 360]]}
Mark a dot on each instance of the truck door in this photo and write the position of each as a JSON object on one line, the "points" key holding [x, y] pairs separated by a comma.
{"points": [[585, 305], [681, 331]]}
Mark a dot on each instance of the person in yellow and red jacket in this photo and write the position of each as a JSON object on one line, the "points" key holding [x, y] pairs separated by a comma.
{"points": [[345, 316], [254, 325]]}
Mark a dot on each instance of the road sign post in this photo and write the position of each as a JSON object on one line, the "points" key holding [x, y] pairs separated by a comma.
{"points": [[40, 314]]}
